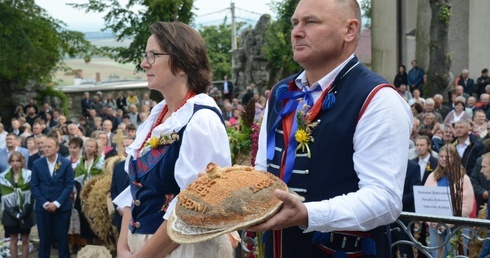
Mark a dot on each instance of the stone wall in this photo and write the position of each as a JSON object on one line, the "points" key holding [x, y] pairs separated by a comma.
{"points": [[76, 93], [249, 62]]}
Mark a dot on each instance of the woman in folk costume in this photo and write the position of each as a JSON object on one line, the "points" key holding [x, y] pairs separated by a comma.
{"points": [[450, 172], [17, 203], [183, 133], [91, 163], [75, 146]]}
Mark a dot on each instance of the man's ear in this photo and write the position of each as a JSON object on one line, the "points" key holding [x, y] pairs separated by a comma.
{"points": [[352, 30]]}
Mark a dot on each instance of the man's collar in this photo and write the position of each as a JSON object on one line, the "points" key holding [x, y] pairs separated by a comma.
{"points": [[323, 82]]}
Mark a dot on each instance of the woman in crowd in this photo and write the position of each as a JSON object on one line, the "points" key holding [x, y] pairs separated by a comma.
{"points": [[401, 77], [33, 152], [19, 112], [26, 132], [17, 203], [416, 109], [121, 101], [97, 125], [91, 164], [75, 146], [105, 150], [457, 114], [110, 102], [177, 66], [449, 169], [50, 123], [480, 123]]}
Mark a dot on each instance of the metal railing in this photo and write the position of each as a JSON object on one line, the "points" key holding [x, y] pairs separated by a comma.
{"points": [[458, 229]]}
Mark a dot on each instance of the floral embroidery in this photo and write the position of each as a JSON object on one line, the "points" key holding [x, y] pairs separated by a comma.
{"points": [[303, 133], [56, 167], [165, 139]]}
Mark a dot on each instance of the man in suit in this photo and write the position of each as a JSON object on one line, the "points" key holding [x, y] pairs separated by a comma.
{"points": [[427, 164], [12, 142], [411, 178], [51, 184], [57, 133], [227, 89], [120, 181], [15, 127], [107, 127], [481, 185], [484, 162], [85, 103]]}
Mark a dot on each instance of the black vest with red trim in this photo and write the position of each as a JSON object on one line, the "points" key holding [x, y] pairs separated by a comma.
{"points": [[330, 170], [153, 184]]}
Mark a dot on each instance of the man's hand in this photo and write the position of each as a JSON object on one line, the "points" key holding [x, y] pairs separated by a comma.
{"points": [[485, 195], [51, 207], [292, 213]]}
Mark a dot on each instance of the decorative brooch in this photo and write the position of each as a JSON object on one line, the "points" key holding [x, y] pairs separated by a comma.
{"points": [[56, 167], [303, 133], [428, 168], [164, 139]]}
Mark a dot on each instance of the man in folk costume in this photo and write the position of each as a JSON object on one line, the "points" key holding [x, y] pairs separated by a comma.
{"points": [[337, 134]]}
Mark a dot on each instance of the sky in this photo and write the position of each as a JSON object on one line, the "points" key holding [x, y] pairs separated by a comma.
{"points": [[208, 12]]}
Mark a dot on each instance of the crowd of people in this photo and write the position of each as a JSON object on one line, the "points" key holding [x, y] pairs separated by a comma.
{"points": [[452, 134], [335, 115], [87, 141]]}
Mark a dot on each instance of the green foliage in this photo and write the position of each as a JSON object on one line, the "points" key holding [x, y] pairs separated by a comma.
{"points": [[218, 42], [445, 14], [278, 48], [240, 141], [128, 23], [33, 43], [51, 92], [366, 8], [240, 137]]}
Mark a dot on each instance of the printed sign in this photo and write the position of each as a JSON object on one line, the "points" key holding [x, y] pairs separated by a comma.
{"points": [[432, 200]]}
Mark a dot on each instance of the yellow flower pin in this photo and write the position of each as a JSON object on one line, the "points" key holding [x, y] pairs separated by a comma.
{"points": [[164, 139]]}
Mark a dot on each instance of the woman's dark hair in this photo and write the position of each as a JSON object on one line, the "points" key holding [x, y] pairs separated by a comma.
{"points": [[404, 68], [418, 107], [459, 102], [77, 141], [187, 52]]}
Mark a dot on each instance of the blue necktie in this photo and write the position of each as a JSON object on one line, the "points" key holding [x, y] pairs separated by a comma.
{"points": [[292, 105]]}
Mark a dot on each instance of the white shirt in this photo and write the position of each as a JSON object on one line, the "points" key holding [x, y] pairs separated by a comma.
{"points": [[51, 165], [3, 139], [423, 164], [204, 140], [51, 171], [225, 87], [380, 154], [462, 147]]}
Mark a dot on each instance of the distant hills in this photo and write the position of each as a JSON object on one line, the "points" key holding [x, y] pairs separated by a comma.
{"points": [[105, 39]]}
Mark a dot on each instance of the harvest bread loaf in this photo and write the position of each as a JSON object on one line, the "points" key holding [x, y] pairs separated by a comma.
{"points": [[227, 197]]}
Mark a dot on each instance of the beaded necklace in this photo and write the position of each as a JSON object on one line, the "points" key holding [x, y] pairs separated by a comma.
{"points": [[190, 94]]}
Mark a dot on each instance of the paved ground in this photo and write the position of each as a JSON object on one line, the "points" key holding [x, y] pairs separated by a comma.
{"points": [[35, 240]]}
